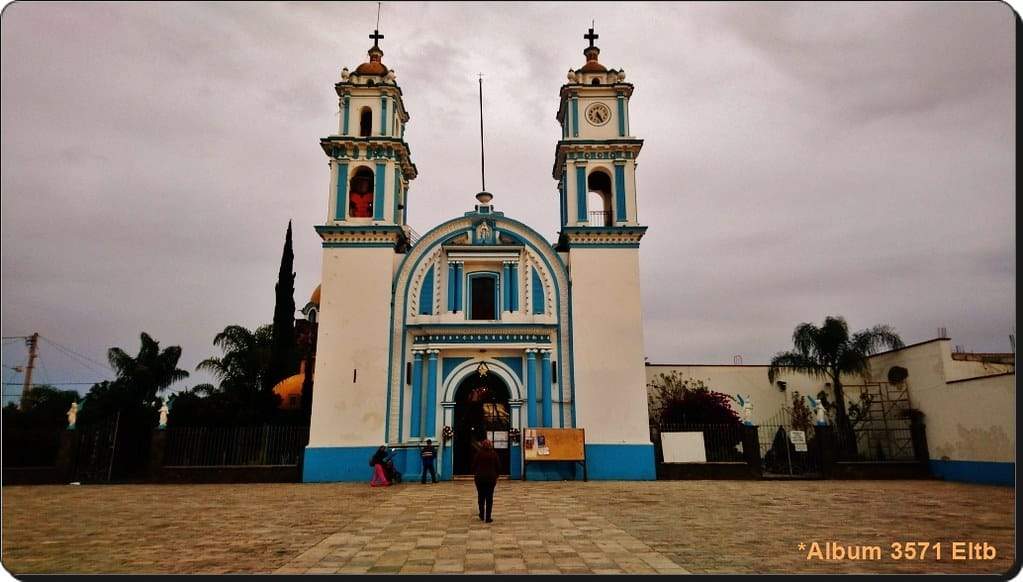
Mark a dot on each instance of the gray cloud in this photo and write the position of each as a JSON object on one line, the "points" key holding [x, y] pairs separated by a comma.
{"points": [[800, 159]]}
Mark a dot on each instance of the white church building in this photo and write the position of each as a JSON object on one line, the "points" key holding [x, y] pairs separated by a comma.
{"points": [[482, 327]]}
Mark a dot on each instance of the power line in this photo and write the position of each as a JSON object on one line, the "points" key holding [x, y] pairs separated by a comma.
{"points": [[86, 358]]}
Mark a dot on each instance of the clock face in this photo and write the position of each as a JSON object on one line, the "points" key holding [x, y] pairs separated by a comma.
{"points": [[598, 114]]}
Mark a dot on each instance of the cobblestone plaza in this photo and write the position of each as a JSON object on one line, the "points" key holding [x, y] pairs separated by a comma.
{"points": [[565, 527]]}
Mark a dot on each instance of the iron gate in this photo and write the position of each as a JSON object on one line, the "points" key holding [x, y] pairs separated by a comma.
{"points": [[94, 459], [788, 451]]}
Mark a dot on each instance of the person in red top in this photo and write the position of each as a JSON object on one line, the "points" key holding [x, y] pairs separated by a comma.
{"points": [[484, 469]]}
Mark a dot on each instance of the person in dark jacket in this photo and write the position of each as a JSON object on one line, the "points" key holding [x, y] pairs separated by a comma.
{"points": [[428, 453], [484, 469]]}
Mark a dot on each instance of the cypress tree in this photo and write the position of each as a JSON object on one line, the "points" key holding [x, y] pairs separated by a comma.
{"points": [[282, 351]]}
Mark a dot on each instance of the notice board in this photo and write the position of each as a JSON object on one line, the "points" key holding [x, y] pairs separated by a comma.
{"points": [[554, 444]]}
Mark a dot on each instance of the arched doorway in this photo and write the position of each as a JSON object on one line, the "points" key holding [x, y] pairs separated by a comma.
{"points": [[481, 411]]}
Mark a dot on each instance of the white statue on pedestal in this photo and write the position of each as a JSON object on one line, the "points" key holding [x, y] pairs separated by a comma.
{"points": [[747, 408], [818, 409], [163, 415], [72, 416]]}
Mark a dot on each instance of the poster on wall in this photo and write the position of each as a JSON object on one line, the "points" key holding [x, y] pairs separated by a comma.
{"points": [[798, 439], [529, 439]]}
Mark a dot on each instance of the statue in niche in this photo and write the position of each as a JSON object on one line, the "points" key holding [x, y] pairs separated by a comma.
{"points": [[483, 232], [360, 199]]}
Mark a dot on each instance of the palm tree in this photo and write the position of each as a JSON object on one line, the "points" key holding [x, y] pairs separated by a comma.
{"points": [[152, 370], [828, 352], [242, 369]]}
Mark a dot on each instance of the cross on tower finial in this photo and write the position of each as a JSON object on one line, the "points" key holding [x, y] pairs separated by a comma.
{"points": [[376, 36], [591, 36]]}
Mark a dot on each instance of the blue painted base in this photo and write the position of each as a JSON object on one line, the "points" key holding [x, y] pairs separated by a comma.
{"points": [[603, 463], [327, 464], [987, 472]]}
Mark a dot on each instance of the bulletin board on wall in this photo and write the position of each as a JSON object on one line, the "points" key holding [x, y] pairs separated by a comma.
{"points": [[541, 445]]}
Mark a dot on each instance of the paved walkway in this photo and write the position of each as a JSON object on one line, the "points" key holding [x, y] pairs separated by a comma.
{"points": [[566, 527], [436, 529]]}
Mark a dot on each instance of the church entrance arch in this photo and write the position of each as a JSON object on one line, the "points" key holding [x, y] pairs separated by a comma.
{"points": [[482, 410]]}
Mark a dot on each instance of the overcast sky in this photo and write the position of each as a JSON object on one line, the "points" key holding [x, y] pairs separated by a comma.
{"points": [[800, 160]]}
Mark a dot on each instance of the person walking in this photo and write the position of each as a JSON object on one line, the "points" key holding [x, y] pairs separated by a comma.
{"points": [[484, 469], [427, 454]]}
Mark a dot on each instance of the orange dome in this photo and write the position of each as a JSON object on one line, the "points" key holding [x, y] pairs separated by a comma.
{"points": [[315, 297], [592, 66], [290, 391], [374, 66]]}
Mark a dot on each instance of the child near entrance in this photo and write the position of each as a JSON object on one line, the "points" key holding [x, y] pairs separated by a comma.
{"points": [[428, 454]]}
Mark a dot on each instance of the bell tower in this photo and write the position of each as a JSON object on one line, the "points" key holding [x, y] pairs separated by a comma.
{"points": [[595, 166], [363, 235], [595, 160], [370, 163]]}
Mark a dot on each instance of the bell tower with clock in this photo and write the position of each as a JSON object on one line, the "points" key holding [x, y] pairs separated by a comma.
{"points": [[595, 160], [595, 166]]}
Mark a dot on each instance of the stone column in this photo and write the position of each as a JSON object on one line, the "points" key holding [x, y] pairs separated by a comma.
{"points": [[531, 387], [547, 405], [417, 389], [431, 395]]}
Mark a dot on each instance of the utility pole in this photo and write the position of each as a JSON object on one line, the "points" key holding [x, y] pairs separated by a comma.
{"points": [[33, 343]]}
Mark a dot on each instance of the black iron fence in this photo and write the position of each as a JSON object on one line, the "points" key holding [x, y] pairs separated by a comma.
{"points": [[30, 447], [876, 444], [267, 445]]}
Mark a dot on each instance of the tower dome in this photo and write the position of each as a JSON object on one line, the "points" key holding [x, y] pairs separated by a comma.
{"points": [[374, 67]]}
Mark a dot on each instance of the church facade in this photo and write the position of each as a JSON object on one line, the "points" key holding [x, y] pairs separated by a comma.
{"points": [[482, 327]]}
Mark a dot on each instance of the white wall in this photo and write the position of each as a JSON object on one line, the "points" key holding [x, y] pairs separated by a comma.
{"points": [[351, 337], [610, 381]]}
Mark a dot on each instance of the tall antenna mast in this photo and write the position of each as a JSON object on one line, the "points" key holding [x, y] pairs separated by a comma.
{"points": [[378, 16], [483, 172]]}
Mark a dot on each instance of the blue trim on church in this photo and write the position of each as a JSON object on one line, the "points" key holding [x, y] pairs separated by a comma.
{"points": [[324, 464], [426, 294], [378, 197], [987, 472]]}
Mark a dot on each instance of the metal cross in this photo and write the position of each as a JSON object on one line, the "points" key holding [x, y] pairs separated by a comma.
{"points": [[376, 36], [591, 36]]}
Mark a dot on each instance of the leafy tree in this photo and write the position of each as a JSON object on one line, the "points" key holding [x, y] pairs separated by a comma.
{"points": [[242, 370], [240, 396], [801, 414], [283, 356], [152, 370], [829, 352], [679, 400]]}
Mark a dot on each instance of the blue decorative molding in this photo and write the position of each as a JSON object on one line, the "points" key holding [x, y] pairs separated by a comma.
{"points": [[538, 294], [545, 388], [509, 337], [448, 365], [575, 116], [417, 395], [580, 193], [452, 283], [531, 395], [620, 462], [397, 194], [621, 206], [426, 294], [383, 115], [431, 395], [378, 198], [341, 201], [513, 286]]}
